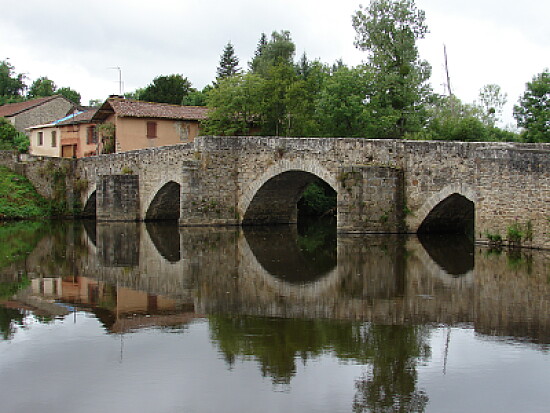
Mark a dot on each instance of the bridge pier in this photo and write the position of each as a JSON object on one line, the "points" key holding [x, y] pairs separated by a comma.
{"points": [[370, 199], [117, 198]]}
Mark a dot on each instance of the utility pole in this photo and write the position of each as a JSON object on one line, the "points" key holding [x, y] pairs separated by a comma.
{"points": [[447, 71], [448, 81]]}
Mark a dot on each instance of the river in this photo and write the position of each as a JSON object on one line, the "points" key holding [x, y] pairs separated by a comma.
{"points": [[153, 317]]}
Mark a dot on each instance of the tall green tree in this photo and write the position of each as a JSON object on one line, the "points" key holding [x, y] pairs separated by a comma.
{"points": [[167, 89], [280, 48], [42, 87], [12, 85], [229, 62], [388, 30], [533, 110]]}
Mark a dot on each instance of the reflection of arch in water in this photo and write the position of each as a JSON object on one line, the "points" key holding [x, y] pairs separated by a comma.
{"points": [[165, 237], [90, 228], [165, 205], [278, 251], [453, 253], [273, 196], [450, 279], [451, 210], [261, 278]]}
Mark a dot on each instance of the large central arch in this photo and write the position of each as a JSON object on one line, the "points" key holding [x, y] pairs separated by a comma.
{"points": [[272, 197]]}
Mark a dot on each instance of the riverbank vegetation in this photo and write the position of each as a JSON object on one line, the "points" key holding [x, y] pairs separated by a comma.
{"points": [[18, 197]]}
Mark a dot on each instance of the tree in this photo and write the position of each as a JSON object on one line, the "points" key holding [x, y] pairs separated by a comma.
{"points": [[236, 105], [340, 108], [388, 31], [229, 63], [12, 85], [280, 48], [197, 97], [70, 94], [167, 89], [492, 101], [533, 111], [42, 87]]}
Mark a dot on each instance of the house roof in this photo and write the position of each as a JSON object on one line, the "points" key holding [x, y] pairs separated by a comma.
{"points": [[139, 109], [79, 117], [13, 109]]}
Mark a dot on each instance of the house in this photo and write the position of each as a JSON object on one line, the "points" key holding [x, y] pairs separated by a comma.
{"points": [[39, 111], [44, 140], [72, 136], [130, 124], [78, 134]]}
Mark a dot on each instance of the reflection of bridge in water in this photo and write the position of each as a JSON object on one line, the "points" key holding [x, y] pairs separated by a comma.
{"points": [[383, 279]]}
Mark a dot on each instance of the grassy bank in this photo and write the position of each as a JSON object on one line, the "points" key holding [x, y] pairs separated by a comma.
{"points": [[18, 197]]}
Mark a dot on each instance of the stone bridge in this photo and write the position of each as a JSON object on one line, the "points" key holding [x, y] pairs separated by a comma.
{"points": [[381, 185]]}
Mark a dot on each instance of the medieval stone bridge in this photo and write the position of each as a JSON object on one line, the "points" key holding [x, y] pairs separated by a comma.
{"points": [[381, 185]]}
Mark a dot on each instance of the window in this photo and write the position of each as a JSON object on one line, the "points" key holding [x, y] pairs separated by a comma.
{"points": [[40, 139], [91, 135], [151, 130], [54, 139]]}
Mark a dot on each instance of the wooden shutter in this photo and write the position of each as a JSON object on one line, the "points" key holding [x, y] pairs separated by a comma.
{"points": [[151, 130]]}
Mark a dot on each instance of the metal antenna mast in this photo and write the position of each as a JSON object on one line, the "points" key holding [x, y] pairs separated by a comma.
{"points": [[119, 78]]}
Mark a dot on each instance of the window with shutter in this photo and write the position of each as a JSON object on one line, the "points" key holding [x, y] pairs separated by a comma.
{"points": [[91, 135], [54, 139], [151, 130]]}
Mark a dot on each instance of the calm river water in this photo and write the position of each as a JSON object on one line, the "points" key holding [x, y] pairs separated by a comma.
{"points": [[134, 317]]}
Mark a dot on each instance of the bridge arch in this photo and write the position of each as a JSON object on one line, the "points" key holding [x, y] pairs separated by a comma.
{"points": [[165, 202], [89, 210], [450, 210], [271, 198]]}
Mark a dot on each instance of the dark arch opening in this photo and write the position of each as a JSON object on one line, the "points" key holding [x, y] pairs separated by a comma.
{"points": [[90, 209], [165, 206], [284, 198], [453, 215]]}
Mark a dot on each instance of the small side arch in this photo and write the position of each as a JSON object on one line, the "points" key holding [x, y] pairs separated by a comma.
{"points": [[165, 204], [451, 210]]}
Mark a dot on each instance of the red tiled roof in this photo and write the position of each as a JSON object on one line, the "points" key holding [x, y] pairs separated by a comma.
{"points": [[12, 109], [139, 109]]}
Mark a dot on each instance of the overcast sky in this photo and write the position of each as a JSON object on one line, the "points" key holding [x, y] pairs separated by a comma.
{"points": [[77, 43]]}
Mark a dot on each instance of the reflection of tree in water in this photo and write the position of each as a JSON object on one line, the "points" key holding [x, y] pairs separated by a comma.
{"points": [[18, 239], [9, 317], [391, 353], [389, 385]]}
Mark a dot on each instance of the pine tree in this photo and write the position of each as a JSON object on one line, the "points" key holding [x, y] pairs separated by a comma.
{"points": [[229, 63]]}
